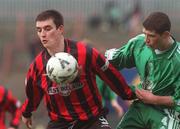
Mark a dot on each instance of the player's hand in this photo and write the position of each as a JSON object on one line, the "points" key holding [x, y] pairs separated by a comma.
{"points": [[27, 121], [11, 128], [145, 96]]}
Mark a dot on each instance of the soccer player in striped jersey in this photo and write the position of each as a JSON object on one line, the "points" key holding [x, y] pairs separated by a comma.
{"points": [[156, 55], [76, 105], [9, 104]]}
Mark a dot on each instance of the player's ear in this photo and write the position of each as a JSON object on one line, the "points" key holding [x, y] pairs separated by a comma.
{"points": [[61, 28], [166, 34]]}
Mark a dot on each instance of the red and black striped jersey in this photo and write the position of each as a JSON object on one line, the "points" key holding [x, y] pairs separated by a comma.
{"points": [[9, 103], [79, 100]]}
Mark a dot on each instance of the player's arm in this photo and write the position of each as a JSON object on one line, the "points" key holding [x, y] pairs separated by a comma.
{"points": [[123, 57], [34, 94], [108, 73], [150, 98]]}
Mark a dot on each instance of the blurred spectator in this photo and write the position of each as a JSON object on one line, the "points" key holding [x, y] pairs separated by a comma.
{"points": [[95, 21], [108, 95], [132, 20], [78, 27], [135, 20], [8, 103], [110, 20], [112, 15]]}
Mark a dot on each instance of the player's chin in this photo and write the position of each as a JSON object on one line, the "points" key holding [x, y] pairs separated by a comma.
{"points": [[45, 44], [150, 46]]}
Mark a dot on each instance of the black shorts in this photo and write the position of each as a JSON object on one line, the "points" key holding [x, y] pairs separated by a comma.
{"points": [[94, 123]]}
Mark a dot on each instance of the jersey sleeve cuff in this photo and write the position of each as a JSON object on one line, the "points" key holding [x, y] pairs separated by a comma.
{"points": [[176, 104], [27, 115]]}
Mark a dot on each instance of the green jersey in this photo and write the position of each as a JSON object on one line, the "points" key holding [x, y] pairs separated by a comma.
{"points": [[159, 71]]}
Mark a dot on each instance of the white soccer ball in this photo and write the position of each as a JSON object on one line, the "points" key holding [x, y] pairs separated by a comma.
{"points": [[62, 68]]}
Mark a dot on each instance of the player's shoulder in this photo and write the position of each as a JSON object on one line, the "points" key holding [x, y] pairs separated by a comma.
{"points": [[140, 37], [39, 59], [41, 55], [138, 40], [80, 44]]}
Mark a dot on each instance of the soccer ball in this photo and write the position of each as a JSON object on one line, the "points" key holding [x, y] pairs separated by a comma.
{"points": [[62, 68]]}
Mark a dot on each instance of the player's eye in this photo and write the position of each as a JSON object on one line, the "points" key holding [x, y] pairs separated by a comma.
{"points": [[38, 30], [48, 28]]}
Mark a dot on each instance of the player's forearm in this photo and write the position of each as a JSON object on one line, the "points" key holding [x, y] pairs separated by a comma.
{"points": [[26, 111], [163, 100], [148, 97]]}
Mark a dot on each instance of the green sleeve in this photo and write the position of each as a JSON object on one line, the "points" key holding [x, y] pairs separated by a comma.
{"points": [[124, 56]]}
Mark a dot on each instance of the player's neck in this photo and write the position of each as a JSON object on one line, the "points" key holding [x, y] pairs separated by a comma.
{"points": [[167, 44], [57, 47]]}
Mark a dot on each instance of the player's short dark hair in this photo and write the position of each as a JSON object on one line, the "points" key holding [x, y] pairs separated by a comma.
{"points": [[158, 22], [51, 14]]}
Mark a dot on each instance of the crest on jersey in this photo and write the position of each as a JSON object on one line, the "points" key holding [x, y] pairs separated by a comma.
{"points": [[65, 89]]}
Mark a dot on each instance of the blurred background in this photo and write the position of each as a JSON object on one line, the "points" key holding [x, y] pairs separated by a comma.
{"points": [[102, 23]]}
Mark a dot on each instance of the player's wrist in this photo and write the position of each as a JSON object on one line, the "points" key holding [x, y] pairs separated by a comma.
{"points": [[155, 100], [13, 126]]}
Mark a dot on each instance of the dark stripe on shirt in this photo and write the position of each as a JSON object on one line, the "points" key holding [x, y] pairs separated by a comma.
{"points": [[67, 99], [53, 102], [80, 92], [89, 55]]}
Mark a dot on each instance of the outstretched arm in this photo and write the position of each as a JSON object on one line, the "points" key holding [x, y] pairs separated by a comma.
{"points": [[34, 94]]}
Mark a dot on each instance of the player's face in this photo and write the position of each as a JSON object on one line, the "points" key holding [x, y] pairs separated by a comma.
{"points": [[152, 39], [48, 33]]}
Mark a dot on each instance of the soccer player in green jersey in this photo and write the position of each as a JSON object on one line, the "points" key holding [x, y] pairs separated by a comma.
{"points": [[156, 56]]}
